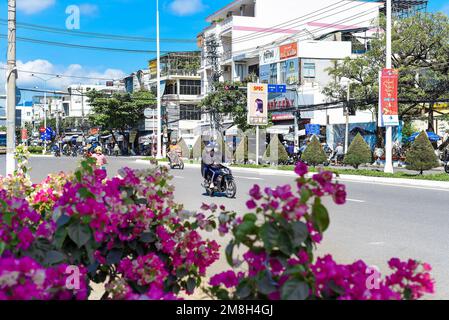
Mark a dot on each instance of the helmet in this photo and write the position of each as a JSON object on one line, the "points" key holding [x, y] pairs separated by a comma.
{"points": [[98, 149]]}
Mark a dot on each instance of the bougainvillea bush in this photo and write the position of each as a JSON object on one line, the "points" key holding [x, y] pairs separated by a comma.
{"points": [[127, 233], [278, 238]]}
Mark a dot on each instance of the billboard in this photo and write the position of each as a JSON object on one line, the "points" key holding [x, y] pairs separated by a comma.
{"points": [[288, 51], [389, 97], [268, 56], [257, 104], [290, 71]]}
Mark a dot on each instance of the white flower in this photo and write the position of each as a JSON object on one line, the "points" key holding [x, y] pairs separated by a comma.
{"points": [[9, 279]]}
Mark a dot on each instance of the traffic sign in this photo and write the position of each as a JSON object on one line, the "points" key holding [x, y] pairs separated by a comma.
{"points": [[42, 129], [277, 88]]}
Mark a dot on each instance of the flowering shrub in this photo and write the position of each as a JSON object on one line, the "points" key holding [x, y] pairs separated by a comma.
{"points": [[279, 237], [25, 279], [130, 227]]}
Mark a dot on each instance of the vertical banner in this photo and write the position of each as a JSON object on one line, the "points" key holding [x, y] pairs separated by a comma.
{"points": [[257, 104], [389, 97]]}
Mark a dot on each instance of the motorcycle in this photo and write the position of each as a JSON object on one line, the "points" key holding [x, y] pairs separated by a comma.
{"points": [[224, 182], [445, 159], [56, 151], [175, 161]]}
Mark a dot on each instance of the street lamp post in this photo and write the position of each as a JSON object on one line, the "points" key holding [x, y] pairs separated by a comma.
{"points": [[158, 88], [45, 103], [389, 129]]}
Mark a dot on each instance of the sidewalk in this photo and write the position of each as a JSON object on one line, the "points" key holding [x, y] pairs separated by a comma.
{"points": [[342, 177]]}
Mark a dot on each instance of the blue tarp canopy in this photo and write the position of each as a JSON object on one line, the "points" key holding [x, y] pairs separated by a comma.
{"points": [[431, 135]]}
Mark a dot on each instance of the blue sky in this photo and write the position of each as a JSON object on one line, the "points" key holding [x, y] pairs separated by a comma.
{"points": [[179, 19]]}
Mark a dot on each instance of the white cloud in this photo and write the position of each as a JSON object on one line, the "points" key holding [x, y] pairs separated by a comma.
{"points": [[186, 7], [26, 80], [34, 6], [89, 9]]}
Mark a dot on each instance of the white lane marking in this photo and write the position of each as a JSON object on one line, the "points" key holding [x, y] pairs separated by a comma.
{"points": [[396, 185], [355, 200], [378, 243], [249, 178], [178, 177]]}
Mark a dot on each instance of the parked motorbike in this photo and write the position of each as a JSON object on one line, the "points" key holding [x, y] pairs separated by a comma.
{"points": [[224, 182]]}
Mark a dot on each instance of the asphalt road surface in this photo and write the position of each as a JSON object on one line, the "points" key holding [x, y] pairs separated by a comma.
{"points": [[379, 221]]}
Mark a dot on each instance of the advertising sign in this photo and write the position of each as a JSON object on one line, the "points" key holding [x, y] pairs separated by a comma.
{"points": [[290, 71], [257, 104], [269, 56], [264, 73], [282, 116], [312, 129], [389, 97], [281, 100], [288, 51]]}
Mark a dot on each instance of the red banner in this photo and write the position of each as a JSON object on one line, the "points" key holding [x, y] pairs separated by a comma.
{"points": [[288, 51], [389, 96], [24, 134]]}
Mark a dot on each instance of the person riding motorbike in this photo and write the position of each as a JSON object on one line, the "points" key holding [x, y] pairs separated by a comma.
{"points": [[212, 163], [100, 158]]}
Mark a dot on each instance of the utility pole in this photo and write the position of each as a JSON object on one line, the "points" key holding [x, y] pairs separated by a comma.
{"points": [[159, 115], [389, 129], [347, 118], [11, 78]]}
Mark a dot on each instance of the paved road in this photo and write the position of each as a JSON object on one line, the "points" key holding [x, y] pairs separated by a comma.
{"points": [[379, 221]]}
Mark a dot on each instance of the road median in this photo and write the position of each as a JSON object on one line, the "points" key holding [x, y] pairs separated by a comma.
{"points": [[343, 177]]}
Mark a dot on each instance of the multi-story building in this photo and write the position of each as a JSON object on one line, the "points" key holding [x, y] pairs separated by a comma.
{"points": [[25, 110], [293, 43], [181, 95]]}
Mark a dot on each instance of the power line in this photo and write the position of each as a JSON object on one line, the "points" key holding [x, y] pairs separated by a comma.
{"points": [[64, 75], [286, 23], [305, 23], [96, 35], [77, 46]]}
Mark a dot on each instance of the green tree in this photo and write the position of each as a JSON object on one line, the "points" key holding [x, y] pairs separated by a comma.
{"points": [[120, 111], [314, 153], [358, 153], [231, 102], [420, 45], [421, 155], [281, 156]]}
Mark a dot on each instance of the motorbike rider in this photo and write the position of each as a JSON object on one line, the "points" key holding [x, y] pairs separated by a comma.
{"points": [[212, 162], [100, 158]]}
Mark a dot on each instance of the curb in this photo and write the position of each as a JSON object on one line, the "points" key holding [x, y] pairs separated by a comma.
{"points": [[42, 156], [342, 177]]}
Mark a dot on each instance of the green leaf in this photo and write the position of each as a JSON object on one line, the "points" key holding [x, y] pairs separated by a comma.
{"points": [[79, 233], [244, 229], [229, 252], [7, 218], [147, 237], [60, 235], [250, 217], [285, 244], [300, 233], [265, 283], [191, 284], [85, 193], [294, 290], [2, 248], [243, 289], [320, 217], [54, 257], [269, 235], [114, 256], [63, 220]]}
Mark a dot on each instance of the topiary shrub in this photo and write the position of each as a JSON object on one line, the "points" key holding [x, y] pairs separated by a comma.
{"points": [[358, 153], [35, 149], [242, 153], [314, 153], [197, 150], [281, 156], [421, 155], [185, 151]]}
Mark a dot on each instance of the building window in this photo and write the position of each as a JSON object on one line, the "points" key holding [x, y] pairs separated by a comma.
{"points": [[309, 70], [171, 88], [189, 112], [190, 87]]}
